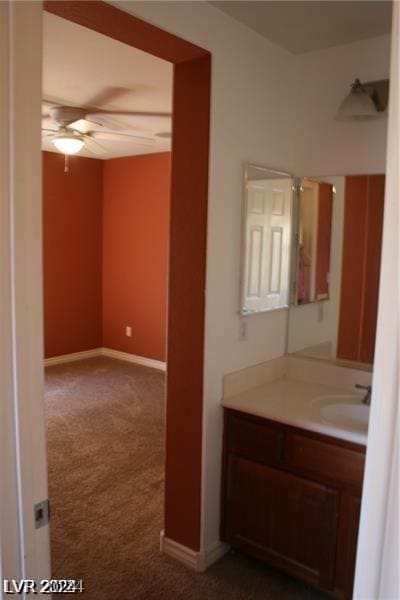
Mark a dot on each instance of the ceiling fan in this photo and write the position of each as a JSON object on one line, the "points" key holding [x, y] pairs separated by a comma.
{"points": [[71, 128]]}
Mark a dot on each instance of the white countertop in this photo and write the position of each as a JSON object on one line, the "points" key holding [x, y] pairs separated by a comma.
{"points": [[298, 403]]}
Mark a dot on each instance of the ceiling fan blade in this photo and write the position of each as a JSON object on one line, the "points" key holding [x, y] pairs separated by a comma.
{"points": [[50, 101], [105, 120], [128, 122], [121, 137], [129, 113], [46, 105], [93, 146], [47, 122], [108, 95], [165, 135], [81, 125]]}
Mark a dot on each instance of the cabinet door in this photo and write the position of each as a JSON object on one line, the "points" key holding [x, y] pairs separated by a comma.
{"points": [[287, 521]]}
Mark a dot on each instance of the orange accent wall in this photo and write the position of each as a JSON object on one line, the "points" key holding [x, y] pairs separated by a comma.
{"points": [[106, 253], [72, 254], [376, 196], [362, 240], [135, 253]]}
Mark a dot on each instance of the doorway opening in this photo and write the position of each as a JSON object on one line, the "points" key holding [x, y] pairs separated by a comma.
{"points": [[188, 172], [105, 251]]}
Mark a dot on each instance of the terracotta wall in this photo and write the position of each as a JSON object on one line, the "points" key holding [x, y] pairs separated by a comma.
{"points": [[72, 254], [106, 253], [135, 253], [362, 241]]}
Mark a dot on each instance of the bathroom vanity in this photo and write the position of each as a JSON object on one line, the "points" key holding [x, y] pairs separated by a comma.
{"points": [[295, 428], [293, 464]]}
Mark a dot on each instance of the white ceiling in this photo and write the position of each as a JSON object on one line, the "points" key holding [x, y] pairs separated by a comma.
{"points": [[301, 26], [80, 65]]}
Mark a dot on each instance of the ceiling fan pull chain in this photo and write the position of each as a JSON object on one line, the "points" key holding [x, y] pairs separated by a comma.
{"points": [[66, 163]]}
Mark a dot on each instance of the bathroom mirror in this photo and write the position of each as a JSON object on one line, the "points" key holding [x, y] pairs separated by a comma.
{"points": [[312, 241], [266, 245], [338, 322]]}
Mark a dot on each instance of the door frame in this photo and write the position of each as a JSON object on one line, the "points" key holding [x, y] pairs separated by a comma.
{"points": [[187, 250], [23, 456]]}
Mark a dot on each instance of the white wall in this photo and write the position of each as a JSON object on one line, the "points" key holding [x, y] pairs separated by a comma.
{"points": [[260, 113], [322, 80]]}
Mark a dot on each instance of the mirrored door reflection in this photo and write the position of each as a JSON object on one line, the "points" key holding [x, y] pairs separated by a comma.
{"points": [[313, 241], [267, 240]]}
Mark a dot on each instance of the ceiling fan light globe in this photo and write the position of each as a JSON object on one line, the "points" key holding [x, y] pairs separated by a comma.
{"points": [[68, 144]]}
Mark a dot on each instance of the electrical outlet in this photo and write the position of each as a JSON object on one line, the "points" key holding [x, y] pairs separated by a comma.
{"points": [[128, 331]]}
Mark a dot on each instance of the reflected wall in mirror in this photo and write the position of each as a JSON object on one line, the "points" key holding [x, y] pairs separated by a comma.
{"points": [[267, 218], [313, 241], [342, 327]]}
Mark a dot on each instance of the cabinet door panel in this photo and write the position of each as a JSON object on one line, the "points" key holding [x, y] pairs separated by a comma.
{"points": [[285, 520], [255, 441], [322, 460]]}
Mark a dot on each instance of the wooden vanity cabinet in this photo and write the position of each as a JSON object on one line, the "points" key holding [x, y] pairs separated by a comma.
{"points": [[291, 498]]}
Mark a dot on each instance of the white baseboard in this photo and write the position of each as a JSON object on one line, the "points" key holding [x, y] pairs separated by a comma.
{"points": [[66, 358], [213, 553], [139, 360], [196, 560], [183, 554], [133, 358]]}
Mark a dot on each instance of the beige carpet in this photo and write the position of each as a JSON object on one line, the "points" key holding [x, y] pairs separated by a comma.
{"points": [[105, 456]]}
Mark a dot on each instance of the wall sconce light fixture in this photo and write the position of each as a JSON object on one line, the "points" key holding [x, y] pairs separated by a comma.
{"points": [[365, 102]]}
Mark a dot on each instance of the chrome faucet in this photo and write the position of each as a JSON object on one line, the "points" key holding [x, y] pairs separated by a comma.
{"points": [[367, 398]]}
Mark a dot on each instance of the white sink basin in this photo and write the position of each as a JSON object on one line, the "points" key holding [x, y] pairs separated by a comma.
{"points": [[346, 411]]}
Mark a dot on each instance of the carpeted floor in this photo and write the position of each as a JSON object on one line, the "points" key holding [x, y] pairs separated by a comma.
{"points": [[105, 455]]}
